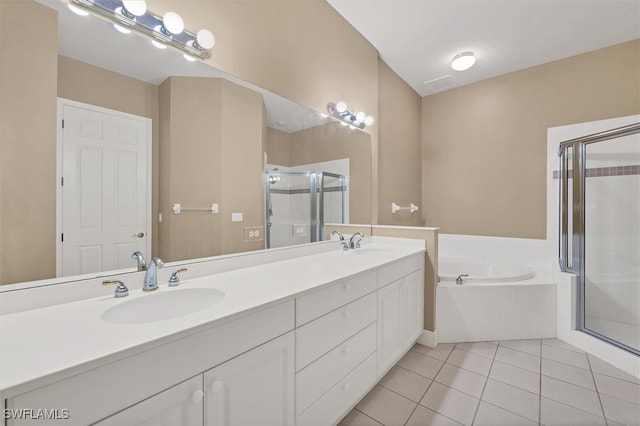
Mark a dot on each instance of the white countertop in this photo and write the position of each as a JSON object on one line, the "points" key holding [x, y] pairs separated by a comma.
{"points": [[43, 345]]}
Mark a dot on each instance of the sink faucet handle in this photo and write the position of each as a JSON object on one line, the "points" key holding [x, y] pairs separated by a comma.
{"points": [[174, 279], [121, 289]]}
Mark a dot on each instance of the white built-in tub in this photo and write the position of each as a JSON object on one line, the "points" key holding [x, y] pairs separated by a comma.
{"points": [[482, 271], [498, 300]]}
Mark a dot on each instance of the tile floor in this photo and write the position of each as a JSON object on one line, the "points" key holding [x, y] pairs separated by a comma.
{"points": [[517, 382]]}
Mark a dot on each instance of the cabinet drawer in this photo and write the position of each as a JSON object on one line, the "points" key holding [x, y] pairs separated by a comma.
{"points": [[397, 270], [316, 304], [318, 337], [321, 375], [342, 397]]}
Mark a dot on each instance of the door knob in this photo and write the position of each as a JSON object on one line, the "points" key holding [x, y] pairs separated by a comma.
{"points": [[138, 235]]}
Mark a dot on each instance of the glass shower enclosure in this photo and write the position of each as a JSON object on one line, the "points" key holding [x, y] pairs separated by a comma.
{"points": [[600, 232], [298, 204]]}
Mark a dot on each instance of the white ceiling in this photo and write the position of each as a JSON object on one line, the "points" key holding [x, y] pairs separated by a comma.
{"points": [[419, 38]]}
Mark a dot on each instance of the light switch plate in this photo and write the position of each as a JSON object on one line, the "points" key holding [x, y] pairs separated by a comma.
{"points": [[236, 217]]}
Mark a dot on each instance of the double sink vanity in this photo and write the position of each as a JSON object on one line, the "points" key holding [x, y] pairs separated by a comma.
{"points": [[297, 337]]}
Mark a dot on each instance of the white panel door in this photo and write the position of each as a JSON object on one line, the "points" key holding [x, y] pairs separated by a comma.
{"points": [[179, 405], [390, 319], [105, 183], [413, 289], [255, 388]]}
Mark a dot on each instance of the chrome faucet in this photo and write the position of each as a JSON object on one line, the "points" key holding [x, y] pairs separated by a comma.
{"points": [[354, 241], [459, 278], [151, 277], [339, 234], [142, 264]]}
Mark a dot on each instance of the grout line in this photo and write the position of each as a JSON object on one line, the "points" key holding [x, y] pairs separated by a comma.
{"points": [[430, 384], [595, 384], [365, 414], [484, 387], [540, 388]]}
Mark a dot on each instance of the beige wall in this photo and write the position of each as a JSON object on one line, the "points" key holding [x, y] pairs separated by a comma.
{"points": [[484, 145], [27, 141], [399, 164], [210, 152], [86, 83], [278, 147]]}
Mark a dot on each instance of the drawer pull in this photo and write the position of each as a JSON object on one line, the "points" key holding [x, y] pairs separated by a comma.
{"points": [[345, 350], [346, 386], [197, 396], [346, 314], [216, 386], [347, 287]]}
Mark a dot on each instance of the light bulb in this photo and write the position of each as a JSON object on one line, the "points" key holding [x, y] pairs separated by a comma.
{"points": [[135, 7], [121, 29], [189, 57], [205, 39], [341, 107], [75, 9], [463, 61], [158, 44], [172, 22], [368, 120], [360, 116]]}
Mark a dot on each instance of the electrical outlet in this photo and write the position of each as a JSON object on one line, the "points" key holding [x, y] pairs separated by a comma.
{"points": [[253, 233], [299, 230]]}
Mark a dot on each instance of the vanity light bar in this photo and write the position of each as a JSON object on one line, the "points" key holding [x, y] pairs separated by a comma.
{"points": [[151, 25], [355, 119]]}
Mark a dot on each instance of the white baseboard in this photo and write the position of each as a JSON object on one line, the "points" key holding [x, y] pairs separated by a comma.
{"points": [[428, 338]]}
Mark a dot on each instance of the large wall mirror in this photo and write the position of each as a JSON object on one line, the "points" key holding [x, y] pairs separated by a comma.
{"points": [[221, 166]]}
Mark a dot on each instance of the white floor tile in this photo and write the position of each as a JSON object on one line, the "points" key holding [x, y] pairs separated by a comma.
{"points": [[519, 359], [515, 376], [451, 403], [569, 394], [567, 373], [620, 411], [485, 349], [421, 364], [565, 356], [407, 383], [463, 380], [617, 388], [518, 401], [602, 367], [555, 413], [440, 352], [386, 407], [356, 418], [561, 344], [470, 361], [423, 416], [529, 346], [490, 415]]}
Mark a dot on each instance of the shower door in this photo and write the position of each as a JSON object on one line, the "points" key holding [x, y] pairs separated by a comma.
{"points": [[298, 204], [600, 228]]}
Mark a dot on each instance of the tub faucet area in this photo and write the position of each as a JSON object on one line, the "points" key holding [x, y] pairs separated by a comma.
{"points": [[459, 278]]}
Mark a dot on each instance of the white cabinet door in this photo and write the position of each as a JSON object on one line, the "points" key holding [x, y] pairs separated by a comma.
{"points": [[413, 296], [389, 325], [179, 405], [255, 388]]}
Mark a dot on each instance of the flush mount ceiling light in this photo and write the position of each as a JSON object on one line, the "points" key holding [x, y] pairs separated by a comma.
{"points": [[354, 119], [166, 30], [463, 61]]}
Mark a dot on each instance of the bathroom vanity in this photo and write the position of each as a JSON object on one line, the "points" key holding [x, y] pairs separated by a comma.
{"points": [[296, 341]]}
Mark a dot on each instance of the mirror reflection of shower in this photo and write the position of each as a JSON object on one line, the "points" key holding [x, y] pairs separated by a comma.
{"points": [[301, 199]]}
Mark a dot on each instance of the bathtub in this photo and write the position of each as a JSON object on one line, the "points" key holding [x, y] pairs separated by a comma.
{"points": [[499, 300]]}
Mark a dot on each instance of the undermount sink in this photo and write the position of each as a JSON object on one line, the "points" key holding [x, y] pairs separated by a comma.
{"points": [[372, 251], [162, 305]]}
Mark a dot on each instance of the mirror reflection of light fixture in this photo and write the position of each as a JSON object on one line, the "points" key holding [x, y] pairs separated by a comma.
{"points": [[165, 30], [343, 113], [463, 61]]}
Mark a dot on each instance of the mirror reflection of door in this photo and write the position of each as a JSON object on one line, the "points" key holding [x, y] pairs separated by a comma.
{"points": [[104, 206]]}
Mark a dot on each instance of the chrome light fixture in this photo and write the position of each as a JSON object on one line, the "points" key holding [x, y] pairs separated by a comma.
{"points": [[354, 119], [463, 61], [166, 30]]}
